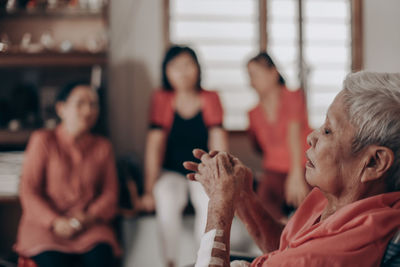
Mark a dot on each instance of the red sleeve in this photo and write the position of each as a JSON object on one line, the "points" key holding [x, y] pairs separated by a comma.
{"points": [[296, 106], [33, 180], [212, 109], [250, 115], [105, 205], [161, 111], [156, 110], [306, 259]]}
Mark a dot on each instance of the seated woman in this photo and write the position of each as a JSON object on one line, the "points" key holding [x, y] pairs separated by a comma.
{"points": [[353, 165], [183, 116], [68, 188], [278, 126]]}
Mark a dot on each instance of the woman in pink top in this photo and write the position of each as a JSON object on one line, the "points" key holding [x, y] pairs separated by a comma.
{"points": [[68, 188], [354, 166], [278, 126]]}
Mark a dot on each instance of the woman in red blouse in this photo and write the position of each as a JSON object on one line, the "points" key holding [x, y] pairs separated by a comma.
{"points": [[183, 116], [279, 127], [68, 189]]}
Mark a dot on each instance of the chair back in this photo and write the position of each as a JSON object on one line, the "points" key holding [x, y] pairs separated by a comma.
{"points": [[392, 253]]}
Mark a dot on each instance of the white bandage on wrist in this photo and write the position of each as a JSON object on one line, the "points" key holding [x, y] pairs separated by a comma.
{"points": [[219, 245], [240, 264], [206, 246], [204, 258], [216, 261], [219, 232]]}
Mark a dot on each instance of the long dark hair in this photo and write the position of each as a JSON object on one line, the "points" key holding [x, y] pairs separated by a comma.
{"points": [[66, 91], [264, 59], [173, 52]]}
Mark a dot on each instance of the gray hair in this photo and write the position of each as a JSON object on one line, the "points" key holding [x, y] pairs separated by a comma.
{"points": [[373, 103]]}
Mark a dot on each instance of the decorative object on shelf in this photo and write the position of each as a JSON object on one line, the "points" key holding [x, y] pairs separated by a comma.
{"points": [[96, 43], [4, 43], [95, 80], [52, 4], [33, 4], [58, 40], [47, 40], [27, 45], [14, 125], [11, 5], [25, 41], [73, 3], [83, 4], [66, 46], [95, 5], [92, 5]]}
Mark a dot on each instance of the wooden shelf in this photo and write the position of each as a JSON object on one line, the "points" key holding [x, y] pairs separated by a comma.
{"points": [[61, 13], [8, 198], [52, 59], [20, 137]]}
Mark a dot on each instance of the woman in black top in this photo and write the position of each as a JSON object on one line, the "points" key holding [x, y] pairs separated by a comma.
{"points": [[183, 117]]}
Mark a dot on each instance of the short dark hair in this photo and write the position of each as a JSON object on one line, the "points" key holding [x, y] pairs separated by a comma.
{"points": [[264, 59], [68, 88], [173, 52]]}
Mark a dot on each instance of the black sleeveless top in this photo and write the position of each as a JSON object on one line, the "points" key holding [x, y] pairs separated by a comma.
{"points": [[184, 136]]}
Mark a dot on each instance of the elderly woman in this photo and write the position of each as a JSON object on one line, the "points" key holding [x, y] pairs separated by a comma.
{"points": [[69, 188], [353, 165]]}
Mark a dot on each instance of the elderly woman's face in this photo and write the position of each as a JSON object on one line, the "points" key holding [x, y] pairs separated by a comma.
{"points": [[331, 165], [81, 109]]}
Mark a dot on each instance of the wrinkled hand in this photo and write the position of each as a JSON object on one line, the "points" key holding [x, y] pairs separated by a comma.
{"points": [[147, 202], [222, 175], [62, 228], [296, 188]]}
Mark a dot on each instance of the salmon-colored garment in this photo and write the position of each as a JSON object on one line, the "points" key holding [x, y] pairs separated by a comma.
{"points": [[272, 137], [355, 235], [59, 178], [162, 109]]}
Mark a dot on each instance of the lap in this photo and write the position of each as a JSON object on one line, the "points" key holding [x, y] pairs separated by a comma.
{"points": [[53, 258], [100, 256]]}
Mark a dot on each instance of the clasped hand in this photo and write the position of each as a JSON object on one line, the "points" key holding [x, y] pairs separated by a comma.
{"points": [[64, 228], [224, 177]]}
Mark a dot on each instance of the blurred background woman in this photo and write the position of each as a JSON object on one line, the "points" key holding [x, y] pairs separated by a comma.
{"points": [[183, 117], [278, 127], [69, 188]]}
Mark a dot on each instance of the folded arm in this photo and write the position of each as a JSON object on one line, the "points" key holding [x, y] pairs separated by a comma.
{"points": [[259, 223]]}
